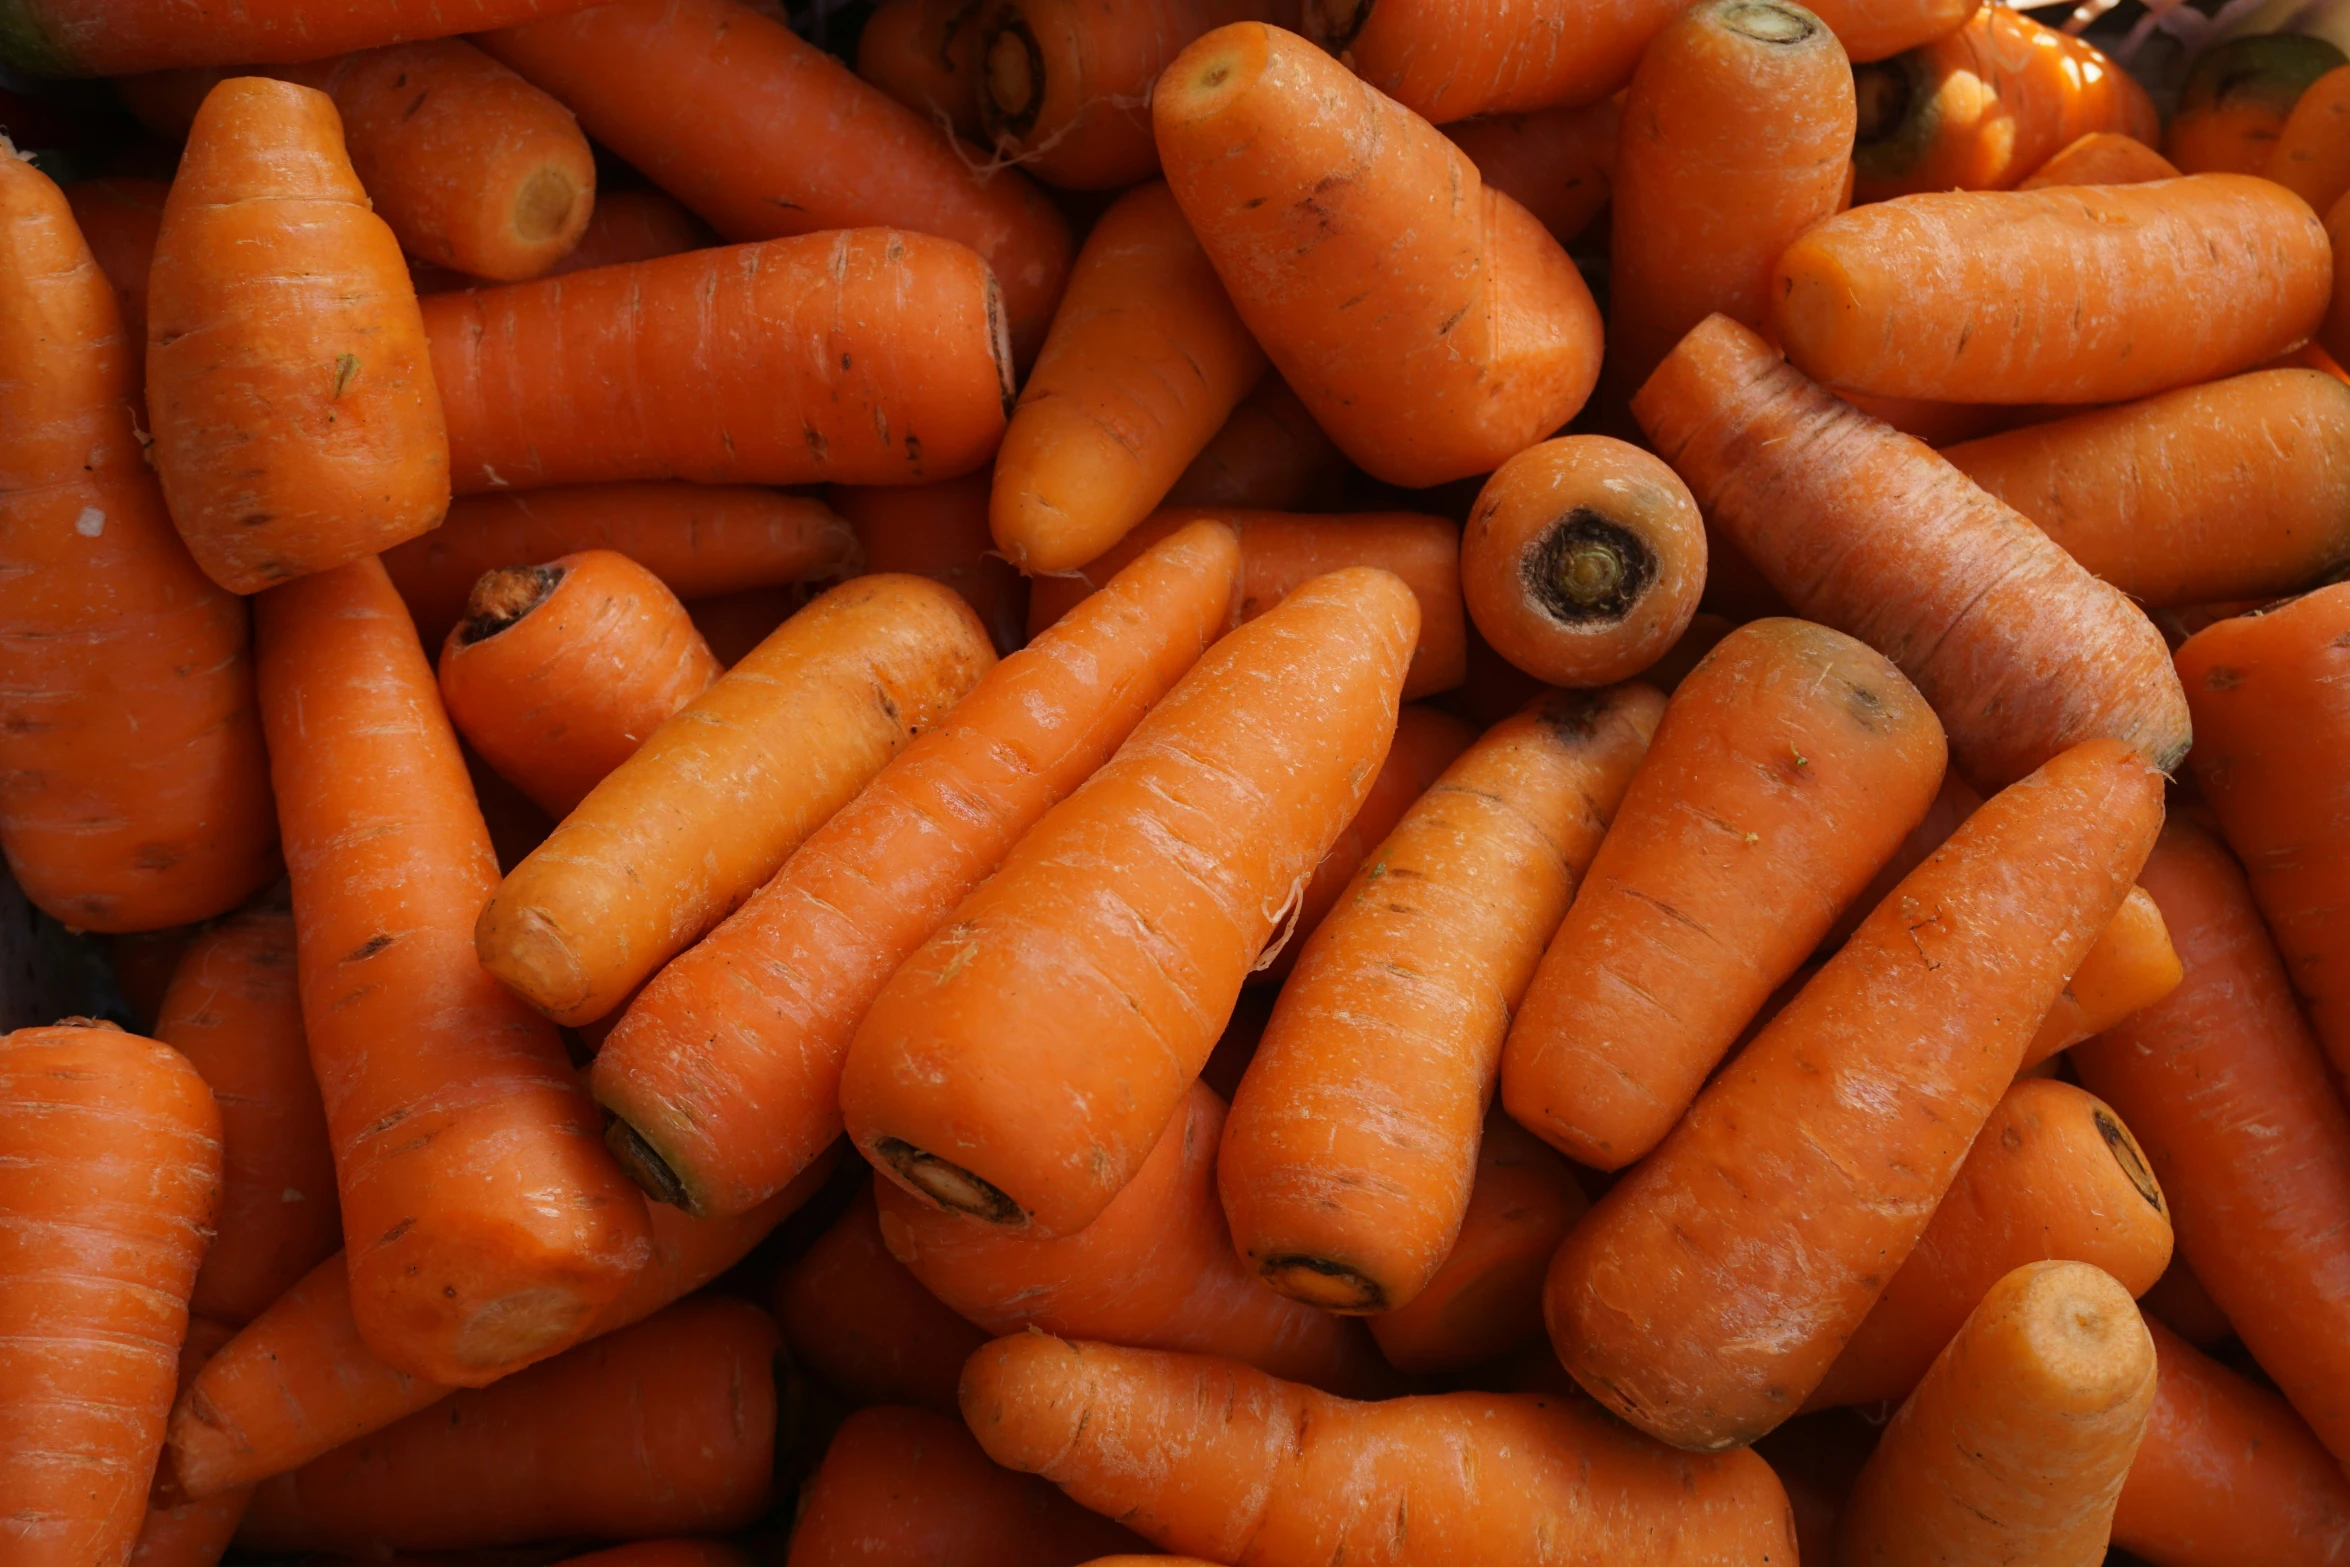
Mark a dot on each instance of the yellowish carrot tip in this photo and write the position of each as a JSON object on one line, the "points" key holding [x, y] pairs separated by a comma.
{"points": [[543, 207], [1317, 1281], [1588, 570], [949, 1185]]}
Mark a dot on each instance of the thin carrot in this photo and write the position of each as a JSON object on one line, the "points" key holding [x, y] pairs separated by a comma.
{"points": [[134, 790], [1249, 1469], [940, 531], [2101, 158], [720, 106], [1349, 1159], [560, 671], [192, 1534], [107, 1197], [2180, 1303], [2021, 652], [1432, 325], [1022, 1064], [2312, 154], [119, 218], [925, 54], [120, 37], [2237, 99], [632, 225], [1789, 766], [2131, 965], [1269, 456], [1559, 164]]}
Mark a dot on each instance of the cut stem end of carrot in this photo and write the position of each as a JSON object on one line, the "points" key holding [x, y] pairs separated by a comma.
{"points": [[1767, 22], [1214, 77], [645, 1166], [503, 597], [1317, 1281], [1015, 79], [543, 207], [949, 1185], [2125, 1151], [1588, 570]]}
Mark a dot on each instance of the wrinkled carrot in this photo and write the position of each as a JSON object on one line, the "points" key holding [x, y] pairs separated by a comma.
{"points": [[2180, 1303], [192, 1534], [1559, 164], [724, 1075], [924, 53], [2021, 652], [119, 218], [2312, 154], [1349, 1159], [119, 37], [1022, 1064], [864, 1325], [1789, 766], [2101, 158], [2131, 965], [1351, 210], [940, 531], [2236, 100], [1269, 456]]}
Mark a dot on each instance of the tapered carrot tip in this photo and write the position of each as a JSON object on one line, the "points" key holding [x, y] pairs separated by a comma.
{"points": [[1214, 72], [504, 596], [949, 1185], [1026, 1399]]}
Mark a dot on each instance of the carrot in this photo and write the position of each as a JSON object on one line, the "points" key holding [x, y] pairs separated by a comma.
{"points": [[560, 671], [1278, 552], [1738, 131], [119, 219], [2334, 335], [165, 101], [631, 225], [2131, 965], [865, 357], [1349, 1159], [233, 1011], [2101, 158], [2015, 1446], [2180, 1303], [714, 800], [667, 1427], [940, 531], [133, 787], [1790, 765], [2235, 489], [720, 107], [297, 425], [2237, 99], [2312, 153], [1432, 325], [1817, 1458], [1263, 1473], [107, 1197], [701, 540], [485, 1227], [664, 1553], [120, 37], [924, 53], [736, 623], [1583, 557], [1559, 164], [1021, 1065], [191, 1534], [724, 1075], [2229, 1097], [1269, 456], [1980, 107], [1765, 1225], [1144, 363], [909, 1485], [2021, 652]]}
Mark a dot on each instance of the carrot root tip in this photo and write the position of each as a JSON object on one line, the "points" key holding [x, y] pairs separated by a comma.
{"points": [[653, 1174], [949, 1185], [1015, 79], [1767, 22], [543, 207], [503, 596], [1318, 1281], [1588, 570]]}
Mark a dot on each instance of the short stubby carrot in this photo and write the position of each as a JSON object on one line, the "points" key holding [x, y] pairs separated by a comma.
{"points": [[713, 801], [925, 54], [2021, 652], [1270, 456], [107, 1198], [940, 531], [2312, 154], [1023, 1063], [2237, 97], [868, 356], [1790, 765], [197, 1533], [119, 217], [2131, 965], [297, 423], [1255, 1471], [120, 37], [723, 1076], [1145, 360], [2101, 158], [1352, 1149], [1707, 1293], [1432, 325], [484, 1223], [1559, 164], [559, 672], [2070, 295]]}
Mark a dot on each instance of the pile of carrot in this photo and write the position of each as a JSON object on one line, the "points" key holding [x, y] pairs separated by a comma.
{"points": [[1235, 784]]}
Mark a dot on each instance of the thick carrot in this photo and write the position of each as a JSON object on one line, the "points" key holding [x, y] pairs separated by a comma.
{"points": [[2235, 489], [1269, 456], [1708, 1292], [724, 1075], [2236, 101], [1432, 325], [940, 531], [2131, 965], [485, 1226], [2021, 652], [297, 425], [559, 672], [1559, 164], [1258, 1472], [1145, 361], [192, 1534], [2015, 1446], [1352, 1148], [632, 225], [1023, 1063], [2101, 158], [865, 357], [1583, 558], [720, 106], [119, 218], [2312, 154], [133, 787], [924, 53], [864, 1325], [2180, 1303], [713, 801], [1790, 765]]}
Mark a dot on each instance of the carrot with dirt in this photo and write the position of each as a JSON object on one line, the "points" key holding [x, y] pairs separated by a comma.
{"points": [[2131, 966], [723, 1077], [1789, 766], [184, 1533], [2312, 153], [1259, 1472], [1432, 325], [2101, 158], [559, 672], [2017, 1443], [719, 105], [119, 218], [134, 791], [297, 424], [1559, 164], [1268, 456], [1145, 361], [2238, 98], [924, 53], [1352, 1149], [2019, 650], [940, 531], [124, 37]]}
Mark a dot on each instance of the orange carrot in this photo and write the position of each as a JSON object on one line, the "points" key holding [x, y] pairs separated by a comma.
{"points": [[2021, 652], [2131, 965], [1352, 1149], [2102, 158], [1559, 164], [1817, 1458], [2312, 154], [133, 788], [1269, 456], [2334, 335], [142, 964], [1432, 325], [559, 672], [107, 1197], [1022, 1064], [736, 623], [632, 225], [192, 1534], [119, 219], [120, 37], [1790, 765], [940, 531], [924, 53], [2237, 99], [2181, 1304]]}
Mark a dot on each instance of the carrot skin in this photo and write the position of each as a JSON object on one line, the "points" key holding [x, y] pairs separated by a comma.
{"points": [[2132, 965], [1269, 456], [924, 54], [2238, 96], [121, 37], [1559, 164], [119, 218], [2335, 333], [940, 531], [192, 1534], [2101, 158], [2312, 154]]}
